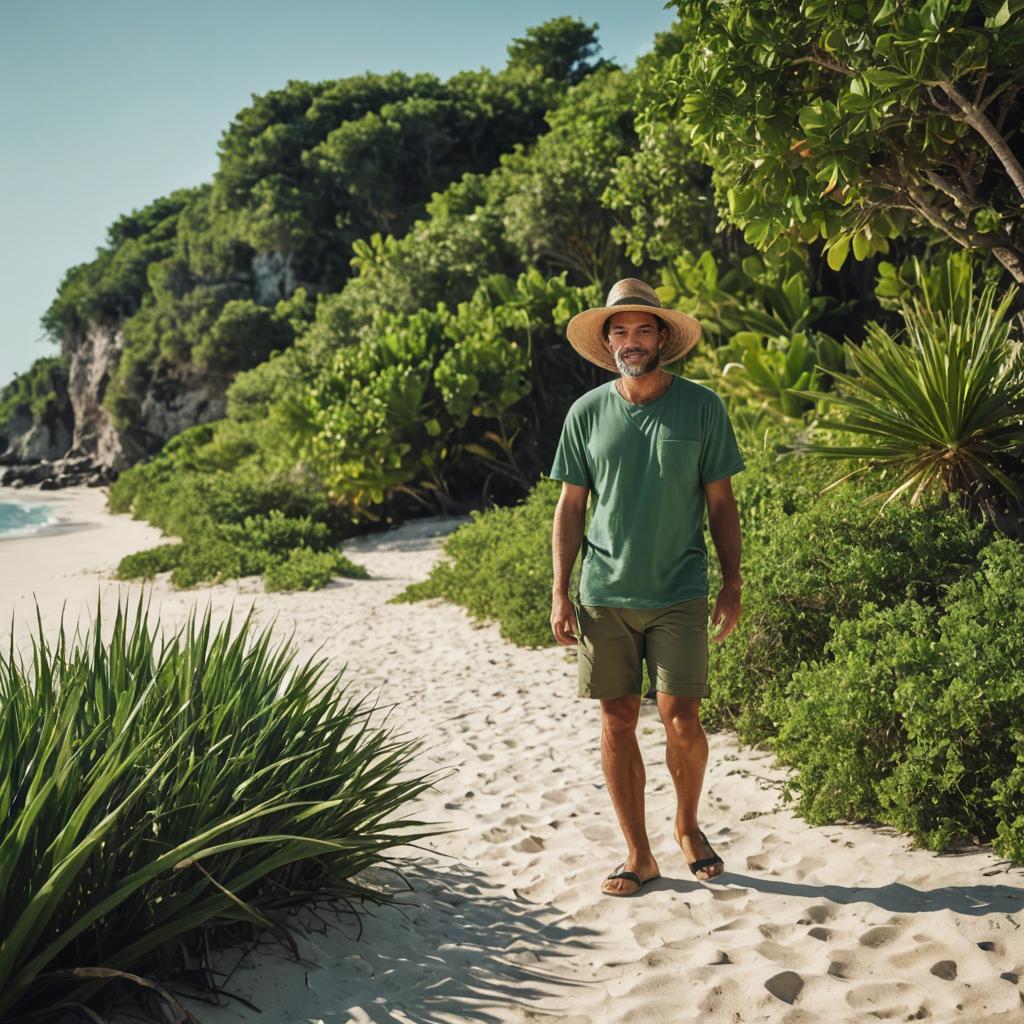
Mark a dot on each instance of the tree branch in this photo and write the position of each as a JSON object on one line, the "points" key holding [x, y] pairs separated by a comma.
{"points": [[979, 121], [963, 200], [928, 210], [980, 91], [1010, 258], [824, 62]]}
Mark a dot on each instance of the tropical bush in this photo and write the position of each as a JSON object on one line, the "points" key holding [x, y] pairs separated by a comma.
{"points": [[764, 329], [912, 714], [305, 568], [295, 552], [809, 566], [237, 513], [942, 412], [160, 790], [472, 393]]}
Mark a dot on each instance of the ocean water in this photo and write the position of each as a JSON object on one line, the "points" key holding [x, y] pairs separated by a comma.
{"points": [[19, 518]]}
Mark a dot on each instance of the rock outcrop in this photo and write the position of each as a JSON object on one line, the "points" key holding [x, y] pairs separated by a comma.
{"points": [[86, 446]]}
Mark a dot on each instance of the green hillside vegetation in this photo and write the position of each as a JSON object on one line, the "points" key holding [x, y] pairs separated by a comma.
{"points": [[40, 394]]}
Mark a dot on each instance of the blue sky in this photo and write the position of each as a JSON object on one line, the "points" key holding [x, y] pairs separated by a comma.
{"points": [[107, 104]]}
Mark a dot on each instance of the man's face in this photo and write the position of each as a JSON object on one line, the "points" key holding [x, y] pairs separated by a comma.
{"points": [[635, 341]]}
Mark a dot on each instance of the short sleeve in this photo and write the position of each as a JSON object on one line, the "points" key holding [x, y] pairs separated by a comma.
{"points": [[571, 463], [719, 454]]}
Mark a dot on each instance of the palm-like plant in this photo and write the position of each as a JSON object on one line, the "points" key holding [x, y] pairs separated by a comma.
{"points": [[943, 409], [157, 791]]}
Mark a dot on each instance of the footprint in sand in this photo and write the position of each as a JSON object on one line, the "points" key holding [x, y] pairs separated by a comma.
{"points": [[875, 937], [882, 999], [775, 952], [728, 895], [806, 866], [838, 969], [529, 844], [555, 796], [817, 914]]}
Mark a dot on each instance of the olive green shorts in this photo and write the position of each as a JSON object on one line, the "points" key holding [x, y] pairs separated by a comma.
{"points": [[614, 643]]}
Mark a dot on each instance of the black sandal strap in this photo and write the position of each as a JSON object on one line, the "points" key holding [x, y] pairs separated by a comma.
{"points": [[697, 865], [631, 875], [706, 862]]}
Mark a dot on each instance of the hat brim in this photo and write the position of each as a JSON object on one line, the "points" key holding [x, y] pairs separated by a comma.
{"points": [[585, 332]]}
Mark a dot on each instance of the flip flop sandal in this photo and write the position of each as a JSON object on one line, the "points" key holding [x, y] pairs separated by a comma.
{"points": [[705, 862], [633, 877]]}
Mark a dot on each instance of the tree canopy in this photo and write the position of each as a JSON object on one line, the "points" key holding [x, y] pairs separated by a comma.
{"points": [[855, 122]]}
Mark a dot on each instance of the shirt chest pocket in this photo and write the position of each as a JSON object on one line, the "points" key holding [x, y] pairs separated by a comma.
{"points": [[678, 460]]}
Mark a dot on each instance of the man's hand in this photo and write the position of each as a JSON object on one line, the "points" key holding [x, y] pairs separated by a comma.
{"points": [[727, 611], [563, 620]]}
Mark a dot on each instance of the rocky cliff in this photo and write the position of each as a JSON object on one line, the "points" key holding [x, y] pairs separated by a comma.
{"points": [[83, 445]]}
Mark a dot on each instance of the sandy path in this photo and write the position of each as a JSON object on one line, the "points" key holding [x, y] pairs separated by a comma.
{"points": [[505, 920]]}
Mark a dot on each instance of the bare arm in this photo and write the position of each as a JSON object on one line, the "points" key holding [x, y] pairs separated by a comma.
{"points": [[724, 521], [566, 537]]}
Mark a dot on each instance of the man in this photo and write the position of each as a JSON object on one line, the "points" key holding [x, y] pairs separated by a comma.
{"points": [[652, 450]]}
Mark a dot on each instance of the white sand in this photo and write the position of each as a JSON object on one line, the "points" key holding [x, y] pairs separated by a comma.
{"points": [[505, 920]]}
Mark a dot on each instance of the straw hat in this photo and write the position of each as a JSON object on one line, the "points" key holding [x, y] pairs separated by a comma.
{"points": [[586, 330]]}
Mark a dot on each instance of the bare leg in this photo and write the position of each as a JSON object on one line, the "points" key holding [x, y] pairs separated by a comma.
{"points": [[686, 754], [625, 777]]}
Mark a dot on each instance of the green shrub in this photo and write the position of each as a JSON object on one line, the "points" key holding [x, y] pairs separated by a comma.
{"points": [[257, 545], [805, 571], [914, 716], [146, 564], [236, 516], [306, 569], [962, 773], [845, 734], [164, 791], [500, 568]]}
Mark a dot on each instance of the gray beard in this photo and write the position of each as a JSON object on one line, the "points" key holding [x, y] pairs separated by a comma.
{"points": [[637, 369]]}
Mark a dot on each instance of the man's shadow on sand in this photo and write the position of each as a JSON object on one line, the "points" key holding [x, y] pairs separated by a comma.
{"points": [[453, 945], [974, 900]]}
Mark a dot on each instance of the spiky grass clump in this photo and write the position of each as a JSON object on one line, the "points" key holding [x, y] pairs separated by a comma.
{"points": [[154, 789]]}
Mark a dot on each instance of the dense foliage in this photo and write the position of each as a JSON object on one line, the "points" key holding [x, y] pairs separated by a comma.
{"points": [[197, 281], [941, 407], [39, 395], [926, 737], [811, 560], [162, 790], [854, 123], [249, 519]]}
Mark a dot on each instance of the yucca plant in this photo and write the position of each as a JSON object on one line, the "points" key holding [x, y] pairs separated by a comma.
{"points": [[155, 790], [941, 409]]}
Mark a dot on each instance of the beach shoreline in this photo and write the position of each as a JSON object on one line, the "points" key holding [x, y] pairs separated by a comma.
{"points": [[66, 507], [503, 919]]}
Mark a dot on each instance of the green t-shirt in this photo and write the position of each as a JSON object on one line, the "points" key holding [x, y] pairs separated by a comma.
{"points": [[645, 466]]}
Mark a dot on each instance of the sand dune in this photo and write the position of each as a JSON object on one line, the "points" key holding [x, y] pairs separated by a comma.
{"points": [[503, 919]]}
